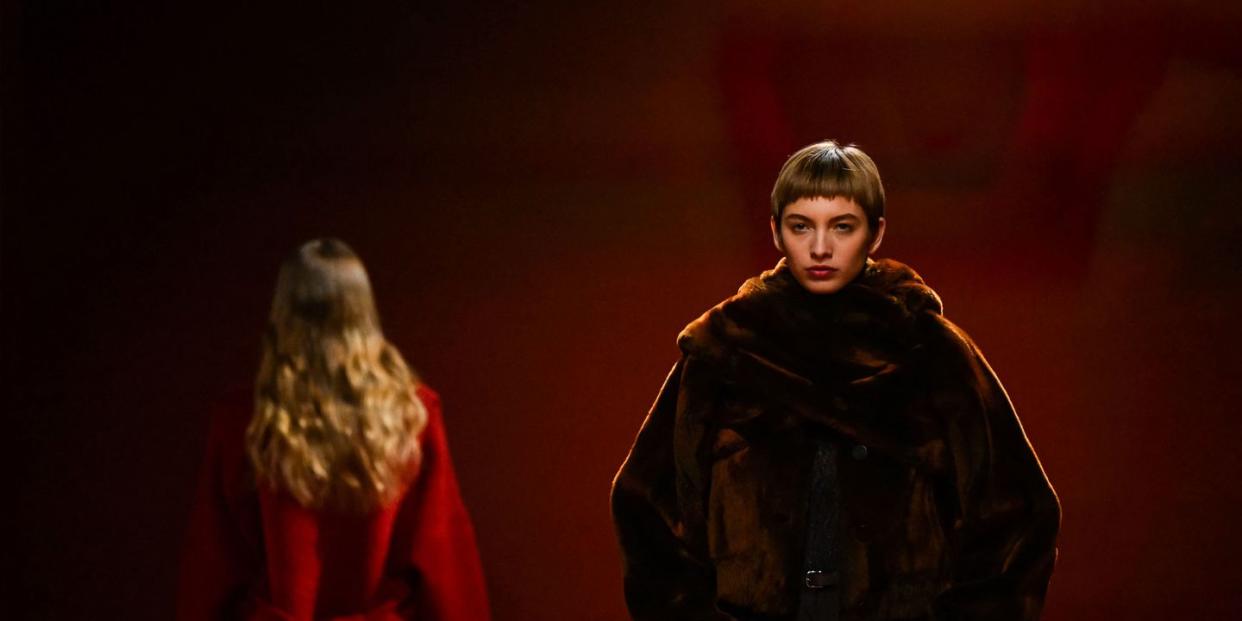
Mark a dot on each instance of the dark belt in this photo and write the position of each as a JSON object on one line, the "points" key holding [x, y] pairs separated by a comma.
{"points": [[820, 598]]}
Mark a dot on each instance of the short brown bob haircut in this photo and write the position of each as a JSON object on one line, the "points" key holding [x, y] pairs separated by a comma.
{"points": [[829, 170]]}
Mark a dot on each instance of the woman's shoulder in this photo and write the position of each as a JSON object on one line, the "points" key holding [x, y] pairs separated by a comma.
{"points": [[901, 284], [427, 394]]}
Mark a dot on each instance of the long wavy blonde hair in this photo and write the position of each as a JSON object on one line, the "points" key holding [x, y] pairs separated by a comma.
{"points": [[336, 420]]}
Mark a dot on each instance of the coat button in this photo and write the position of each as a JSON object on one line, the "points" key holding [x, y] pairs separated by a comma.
{"points": [[859, 452]]}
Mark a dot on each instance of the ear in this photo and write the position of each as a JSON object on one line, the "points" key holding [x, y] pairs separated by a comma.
{"points": [[879, 237], [776, 234]]}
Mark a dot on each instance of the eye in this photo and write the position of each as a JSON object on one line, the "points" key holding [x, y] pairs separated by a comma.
{"points": [[799, 227], [844, 227]]}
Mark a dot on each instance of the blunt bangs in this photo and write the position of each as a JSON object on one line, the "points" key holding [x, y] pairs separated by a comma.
{"points": [[828, 170]]}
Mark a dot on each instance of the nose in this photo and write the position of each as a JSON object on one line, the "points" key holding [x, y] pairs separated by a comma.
{"points": [[821, 246]]}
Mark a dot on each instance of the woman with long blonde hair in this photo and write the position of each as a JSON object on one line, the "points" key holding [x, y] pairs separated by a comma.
{"points": [[335, 497]]}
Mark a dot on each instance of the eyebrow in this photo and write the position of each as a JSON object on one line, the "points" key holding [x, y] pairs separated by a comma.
{"points": [[844, 216]]}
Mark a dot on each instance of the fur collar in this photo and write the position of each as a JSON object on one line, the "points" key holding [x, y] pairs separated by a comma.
{"points": [[814, 335], [841, 360], [847, 360]]}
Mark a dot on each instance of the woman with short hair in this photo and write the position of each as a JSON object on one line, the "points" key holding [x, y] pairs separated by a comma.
{"points": [[830, 446]]}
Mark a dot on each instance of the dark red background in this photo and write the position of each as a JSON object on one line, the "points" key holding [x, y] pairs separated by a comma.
{"points": [[546, 193]]}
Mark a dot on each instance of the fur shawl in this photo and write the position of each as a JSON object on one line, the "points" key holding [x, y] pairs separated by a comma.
{"points": [[946, 510]]}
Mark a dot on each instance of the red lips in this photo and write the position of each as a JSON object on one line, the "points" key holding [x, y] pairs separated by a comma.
{"points": [[821, 272]]}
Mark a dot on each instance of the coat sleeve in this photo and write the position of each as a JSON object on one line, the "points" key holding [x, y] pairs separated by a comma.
{"points": [[667, 575], [1008, 513], [433, 541], [220, 557]]}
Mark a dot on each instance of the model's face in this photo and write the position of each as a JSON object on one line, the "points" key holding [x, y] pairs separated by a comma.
{"points": [[825, 241]]}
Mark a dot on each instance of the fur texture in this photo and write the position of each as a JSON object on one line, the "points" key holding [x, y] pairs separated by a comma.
{"points": [[946, 510]]}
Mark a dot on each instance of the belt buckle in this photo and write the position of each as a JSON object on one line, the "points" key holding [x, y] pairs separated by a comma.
{"points": [[821, 579]]}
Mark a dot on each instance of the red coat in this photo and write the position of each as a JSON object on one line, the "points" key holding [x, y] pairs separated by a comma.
{"points": [[253, 554]]}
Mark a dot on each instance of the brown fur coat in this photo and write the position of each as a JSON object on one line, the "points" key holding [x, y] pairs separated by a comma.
{"points": [[946, 510]]}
